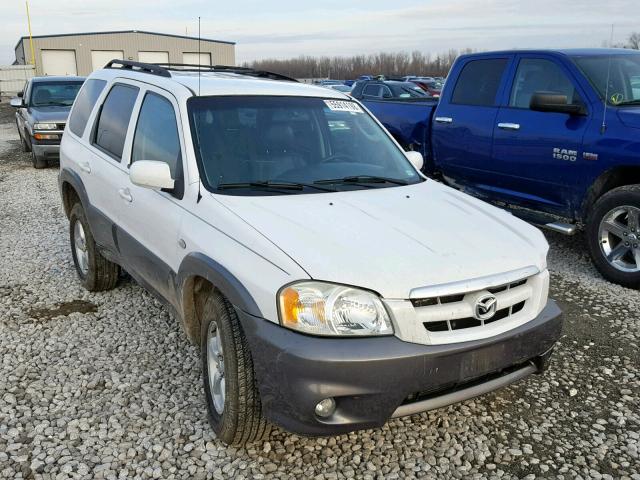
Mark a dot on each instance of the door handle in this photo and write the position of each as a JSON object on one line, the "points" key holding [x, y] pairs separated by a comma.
{"points": [[125, 194], [509, 126], [85, 167], [444, 119]]}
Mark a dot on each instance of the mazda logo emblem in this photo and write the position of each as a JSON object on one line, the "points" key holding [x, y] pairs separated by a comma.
{"points": [[486, 307]]}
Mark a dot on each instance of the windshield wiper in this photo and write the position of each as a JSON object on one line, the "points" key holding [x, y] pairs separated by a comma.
{"points": [[269, 184], [356, 179], [629, 102]]}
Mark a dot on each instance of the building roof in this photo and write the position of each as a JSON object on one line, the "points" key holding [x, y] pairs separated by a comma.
{"points": [[123, 31]]}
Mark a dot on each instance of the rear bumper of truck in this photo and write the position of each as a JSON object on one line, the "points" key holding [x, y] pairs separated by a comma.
{"points": [[374, 379]]}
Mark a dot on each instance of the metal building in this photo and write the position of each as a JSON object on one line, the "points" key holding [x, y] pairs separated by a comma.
{"points": [[81, 53]]}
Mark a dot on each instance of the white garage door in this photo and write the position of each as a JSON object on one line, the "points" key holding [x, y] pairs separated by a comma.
{"points": [[192, 58], [59, 62], [99, 58], [153, 57]]}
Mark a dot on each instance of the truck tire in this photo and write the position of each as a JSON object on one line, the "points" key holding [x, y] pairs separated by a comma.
{"points": [[23, 142], [231, 392], [613, 235], [96, 272], [38, 162]]}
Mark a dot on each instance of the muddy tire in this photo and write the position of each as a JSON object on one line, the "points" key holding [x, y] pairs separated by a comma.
{"points": [[233, 399], [96, 272]]}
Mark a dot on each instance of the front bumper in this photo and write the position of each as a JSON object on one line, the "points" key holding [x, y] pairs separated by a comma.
{"points": [[46, 148], [374, 379]]}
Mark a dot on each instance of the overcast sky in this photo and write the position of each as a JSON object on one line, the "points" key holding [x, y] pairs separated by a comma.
{"points": [[286, 28]]}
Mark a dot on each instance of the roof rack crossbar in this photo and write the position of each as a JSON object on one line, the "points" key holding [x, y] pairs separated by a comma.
{"points": [[164, 69], [139, 67]]}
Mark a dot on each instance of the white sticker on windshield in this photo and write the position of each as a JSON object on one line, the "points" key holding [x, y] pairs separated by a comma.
{"points": [[343, 106]]}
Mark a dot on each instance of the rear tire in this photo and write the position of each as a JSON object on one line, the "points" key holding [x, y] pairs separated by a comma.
{"points": [[235, 414], [613, 235], [96, 272]]}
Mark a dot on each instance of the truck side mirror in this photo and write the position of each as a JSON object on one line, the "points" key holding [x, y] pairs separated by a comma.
{"points": [[554, 102], [16, 102]]}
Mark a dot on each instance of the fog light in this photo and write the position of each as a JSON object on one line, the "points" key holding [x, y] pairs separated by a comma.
{"points": [[326, 407]]}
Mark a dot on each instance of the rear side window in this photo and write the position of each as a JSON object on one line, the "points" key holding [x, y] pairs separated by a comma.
{"points": [[85, 101], [478, 82], [372, 91], [113, 122], [156, 136]]}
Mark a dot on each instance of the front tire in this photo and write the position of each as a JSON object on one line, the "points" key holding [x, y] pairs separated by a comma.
{"points": [[23, 141], [38, 162], [231, 392], [96, 272], [613, 235]]}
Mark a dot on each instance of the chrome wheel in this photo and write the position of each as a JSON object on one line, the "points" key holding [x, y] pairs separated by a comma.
{"points": [[80, 246], [619, 235], [215, 361]]}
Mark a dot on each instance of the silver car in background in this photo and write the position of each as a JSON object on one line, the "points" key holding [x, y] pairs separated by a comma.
{"points": [[42, 109]]}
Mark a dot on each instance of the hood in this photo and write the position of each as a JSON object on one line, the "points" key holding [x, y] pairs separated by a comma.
{"points": [[630, 117], [53, 114], [392, 240]]}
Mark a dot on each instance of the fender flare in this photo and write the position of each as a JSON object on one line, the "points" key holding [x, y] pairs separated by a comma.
{"points": [[200, 265], [72, 178]]}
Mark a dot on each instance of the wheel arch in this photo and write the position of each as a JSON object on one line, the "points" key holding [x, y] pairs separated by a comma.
{"points": [[615, 177], [199, 275], [71, 190]]}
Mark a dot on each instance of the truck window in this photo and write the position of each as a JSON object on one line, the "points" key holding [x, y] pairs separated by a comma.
{"points": [[156, 136], [85, 101], [478, 82], [113, 122], [372, 91], [539, 75]]}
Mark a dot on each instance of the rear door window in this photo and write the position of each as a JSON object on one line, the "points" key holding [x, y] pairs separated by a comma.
{"points": [[113, 121], [372, 91], [479, 81], [85, 101]]}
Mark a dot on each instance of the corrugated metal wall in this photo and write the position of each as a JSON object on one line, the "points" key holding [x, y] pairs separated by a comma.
{"points": [[130, 43], [13, 78]]}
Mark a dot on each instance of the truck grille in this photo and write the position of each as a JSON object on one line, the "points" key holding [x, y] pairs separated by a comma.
{"points": [[456, 312], [60, 126]]}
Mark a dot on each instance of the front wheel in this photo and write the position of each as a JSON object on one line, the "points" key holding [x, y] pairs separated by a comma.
{"points": [[38, 162], [231, 392], [613, 235]]}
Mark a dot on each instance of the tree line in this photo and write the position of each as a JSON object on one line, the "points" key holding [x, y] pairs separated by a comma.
{"points": [[389, 64]]}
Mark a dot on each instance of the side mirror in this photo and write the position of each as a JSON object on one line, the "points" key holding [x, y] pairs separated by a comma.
{"points": [[16, 102], [151, 174], [415, 158], [554, 102]]}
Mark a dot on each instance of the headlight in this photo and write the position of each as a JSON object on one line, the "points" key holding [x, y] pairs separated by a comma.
{"points": [[45, 126], [321, 308]]}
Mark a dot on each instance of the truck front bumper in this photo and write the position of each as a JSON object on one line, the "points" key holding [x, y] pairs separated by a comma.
{"points": [[46, 150], [374, 379]]}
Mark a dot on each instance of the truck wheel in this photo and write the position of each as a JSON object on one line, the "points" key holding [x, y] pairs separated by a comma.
{"points": [[23, 142], [96, 272], [613, 235], [233, 399], [38, 162]]}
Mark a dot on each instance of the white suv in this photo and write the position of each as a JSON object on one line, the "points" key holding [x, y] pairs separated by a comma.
{"points": [[330, 285]]}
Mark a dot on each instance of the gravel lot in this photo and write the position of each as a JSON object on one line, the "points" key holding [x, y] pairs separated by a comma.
{"points": [[107, 385]]}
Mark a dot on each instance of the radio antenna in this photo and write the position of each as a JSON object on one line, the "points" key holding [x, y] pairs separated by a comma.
{"points": [[603, 127], [199, 56]]}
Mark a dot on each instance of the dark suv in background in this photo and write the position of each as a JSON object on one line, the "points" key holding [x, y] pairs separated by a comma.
{"points": [[42, 110]]}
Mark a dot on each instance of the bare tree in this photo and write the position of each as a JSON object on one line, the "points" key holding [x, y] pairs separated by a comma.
{"points": [[634, 41], [383, 63]]}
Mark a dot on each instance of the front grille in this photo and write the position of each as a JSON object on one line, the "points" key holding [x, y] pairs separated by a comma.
{"points": [[456, 312], [60, 126]]}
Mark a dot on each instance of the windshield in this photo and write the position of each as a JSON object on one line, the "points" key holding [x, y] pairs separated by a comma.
{"points": [[61, 94], [316, 144], [623, 72]]}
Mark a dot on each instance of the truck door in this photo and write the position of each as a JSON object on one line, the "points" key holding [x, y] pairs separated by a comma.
{"points": [[537, 155], [463, 121]]}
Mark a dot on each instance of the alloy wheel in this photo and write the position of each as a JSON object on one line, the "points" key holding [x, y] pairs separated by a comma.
{"points": [[619, 235]]}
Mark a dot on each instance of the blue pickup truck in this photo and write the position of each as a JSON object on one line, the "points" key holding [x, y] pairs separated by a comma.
{"points": [[552, 135]]}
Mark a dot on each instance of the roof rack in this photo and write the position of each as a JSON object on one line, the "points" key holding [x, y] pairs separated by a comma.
{"points": [[164, 69]]}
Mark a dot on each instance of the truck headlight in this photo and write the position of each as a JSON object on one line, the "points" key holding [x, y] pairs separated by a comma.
{"points": [[320, 308], [45, 126]]}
